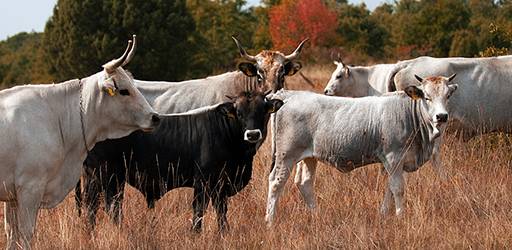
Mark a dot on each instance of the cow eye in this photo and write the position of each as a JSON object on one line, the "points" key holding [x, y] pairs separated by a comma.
{"points": [[338, 76], [124, 92], [428, 99]]}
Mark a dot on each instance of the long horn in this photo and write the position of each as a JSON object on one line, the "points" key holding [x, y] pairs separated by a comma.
{"points": [[296, 53], [132, 51], [114, 64], [243, 53]]}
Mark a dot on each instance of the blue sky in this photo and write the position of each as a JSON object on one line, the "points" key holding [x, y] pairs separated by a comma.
{"points": [[31, 15]]}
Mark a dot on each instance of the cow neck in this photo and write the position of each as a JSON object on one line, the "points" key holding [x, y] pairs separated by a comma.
{"points": [[244, 83], [229, 128], [423, 131], [81, 111]]}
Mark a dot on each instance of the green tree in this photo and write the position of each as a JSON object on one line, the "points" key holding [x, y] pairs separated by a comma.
{"points": [[82, 35], [359, 31], [216, 22]]}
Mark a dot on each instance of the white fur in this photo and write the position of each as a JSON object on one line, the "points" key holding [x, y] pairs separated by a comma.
{"points": [[42, 147]]}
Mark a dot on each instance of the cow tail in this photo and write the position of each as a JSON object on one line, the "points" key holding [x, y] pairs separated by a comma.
{"points": [[78, 197]]}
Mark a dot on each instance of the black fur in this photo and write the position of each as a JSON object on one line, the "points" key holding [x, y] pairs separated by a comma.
{"points": [[203, 151]]}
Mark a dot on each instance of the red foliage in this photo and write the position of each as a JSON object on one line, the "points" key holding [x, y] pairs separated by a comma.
{"points": [[291, 21]]}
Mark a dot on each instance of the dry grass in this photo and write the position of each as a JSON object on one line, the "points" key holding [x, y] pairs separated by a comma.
{"points": [[468, 210]]}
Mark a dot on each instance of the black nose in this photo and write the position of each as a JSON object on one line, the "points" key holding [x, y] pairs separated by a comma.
{"points": [[253, 135], [326, 91], [155, 119], [442, 117]]}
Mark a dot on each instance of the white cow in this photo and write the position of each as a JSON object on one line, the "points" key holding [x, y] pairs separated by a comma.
{"points": [[46, 131], [349, 133], [480, 106], [359, 81], [483, 102]]}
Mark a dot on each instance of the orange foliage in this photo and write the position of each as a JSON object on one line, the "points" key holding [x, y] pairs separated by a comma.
{"points": [[292, 21]]}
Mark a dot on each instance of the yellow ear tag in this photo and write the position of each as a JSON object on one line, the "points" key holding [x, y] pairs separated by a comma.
{"points": [[111, 92], [272, 110]]}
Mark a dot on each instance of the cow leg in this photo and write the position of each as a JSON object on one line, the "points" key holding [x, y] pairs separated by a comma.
{"points": [[220, 202], [91, 198], [150, 201], [395, 182], [305, 179], [78, 197], [199, 204], [114, 195], [437, 162], [114, 200], [384, 208], [396, 185], [29, 201], [11, 224], [276, 181]]}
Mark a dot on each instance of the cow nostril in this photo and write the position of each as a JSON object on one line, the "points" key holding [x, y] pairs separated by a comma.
{"points": [[326, 92], [253, 135], [155, 118], [442, 117]]}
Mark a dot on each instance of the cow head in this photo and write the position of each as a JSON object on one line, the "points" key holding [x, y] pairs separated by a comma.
{"points": [[120, 98], [270, 67], [342, 81], [434, 93], [252, 111]]}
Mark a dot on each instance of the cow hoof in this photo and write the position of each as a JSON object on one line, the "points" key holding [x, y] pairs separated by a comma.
{"points": [[311, 206], [269, 223], [399, 212], [196, 229], [383, 210]]}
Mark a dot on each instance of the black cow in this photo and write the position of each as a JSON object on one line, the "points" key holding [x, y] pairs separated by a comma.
{"points": [[209, 149]]}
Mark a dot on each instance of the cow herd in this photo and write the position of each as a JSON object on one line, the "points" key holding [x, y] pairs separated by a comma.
{"points": [[203, 134]]}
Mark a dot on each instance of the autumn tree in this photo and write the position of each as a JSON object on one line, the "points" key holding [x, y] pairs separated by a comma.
{"points": [[21, 61], [292, 21]]}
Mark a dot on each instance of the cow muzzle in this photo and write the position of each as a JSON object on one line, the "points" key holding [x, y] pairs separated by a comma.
{"points": [[328, 92], [441, 117], [155, 121], [252, 136]]}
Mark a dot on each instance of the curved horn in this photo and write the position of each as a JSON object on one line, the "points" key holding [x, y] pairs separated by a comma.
{"points": [[243, 53], [132, 51], [114, 64], [296, 53], [451, 77], [418, 78]]}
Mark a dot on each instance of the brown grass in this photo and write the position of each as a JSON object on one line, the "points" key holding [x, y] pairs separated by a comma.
{"points": [[471, 209]]}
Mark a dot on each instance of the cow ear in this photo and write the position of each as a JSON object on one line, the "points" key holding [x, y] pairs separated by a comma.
{"points": [[451, 89], [274, 105], [290, 68], [109, 87], [414, 92], [346, 71], [227, 109], [249, 69]]}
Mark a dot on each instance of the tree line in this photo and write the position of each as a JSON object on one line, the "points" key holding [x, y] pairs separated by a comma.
{"points": [[186, 39]]}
